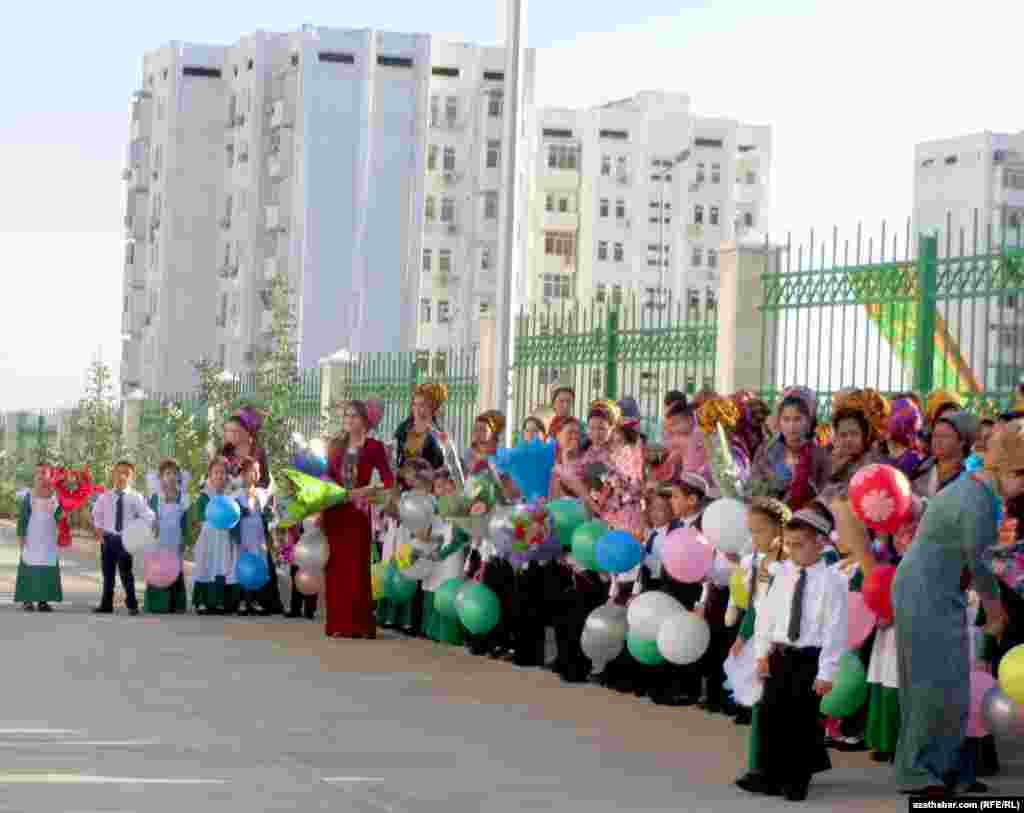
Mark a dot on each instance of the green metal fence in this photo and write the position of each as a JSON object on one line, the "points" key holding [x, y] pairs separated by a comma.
{"points": [[641, 348], [939, 311]]}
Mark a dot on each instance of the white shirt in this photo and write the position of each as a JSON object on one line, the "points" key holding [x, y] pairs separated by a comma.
{"points": [[823, 621], [104, 513]]}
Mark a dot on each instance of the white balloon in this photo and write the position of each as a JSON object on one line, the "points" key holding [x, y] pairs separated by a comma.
{"points": [[684, 638], [416, 512], [312, 552], [137, 536], [648, 611], [724, 525]]}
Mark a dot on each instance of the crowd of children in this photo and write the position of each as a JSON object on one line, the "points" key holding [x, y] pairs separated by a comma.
{"points": [[768, 663]]}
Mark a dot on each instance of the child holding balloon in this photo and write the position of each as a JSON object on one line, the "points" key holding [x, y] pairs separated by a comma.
{"points": [[252, 534], [214, 579], [170, 504]]}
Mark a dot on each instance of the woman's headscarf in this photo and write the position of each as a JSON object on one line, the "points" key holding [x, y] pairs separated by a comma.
{"points": [[607, 409], [436, 394], [495, 422], [905, 422], [939, 400], [867, 406], [371, 411]]}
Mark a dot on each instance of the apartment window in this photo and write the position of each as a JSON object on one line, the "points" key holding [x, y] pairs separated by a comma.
{"points": [[394, 61], [710, 143], [484, 308], [447, 210], [428, 261], [444, 261], [616, 294], [692, 299], [491, 205], [712, 302], [425, 311], [222, 355], [1014, 180], [748, 219], [485, 259], [560, 244], [557, 286], [713, 216], [697, 258], [444, 315], [432, 157], [549, 203], [429, 208], [563, 156], [603, 207], [621, 167], [698, 213], [435, 110], [294, 60], [563, 204], [712, 258], [620, 209], [751, 178], [495, 103], [602, 250], [231, 155], [619, 253], [449, 159], [606, 165], [129, 254], [716, 173], [601, 292], [493, 154], [451, 109], [228, 201]]}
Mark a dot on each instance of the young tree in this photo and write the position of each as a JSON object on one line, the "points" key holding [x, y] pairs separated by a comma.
{"points": [[96, 423]]}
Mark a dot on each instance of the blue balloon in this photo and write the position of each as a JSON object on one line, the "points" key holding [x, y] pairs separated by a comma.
{"points": [[253, 572], [974, 463], [529, 465], [618, 552], [312, 464], [223, 513]]}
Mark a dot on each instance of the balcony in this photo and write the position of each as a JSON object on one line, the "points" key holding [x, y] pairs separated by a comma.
{"points": [[225, 222], [568, 221], [446, 279], [278, 166], [222, 321], [138, 180], [450, 177], [135, 227], [228, 271], [275, 219], [450, 123], [280, 115]]}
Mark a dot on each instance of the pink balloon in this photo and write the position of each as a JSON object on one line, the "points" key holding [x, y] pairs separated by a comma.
{"points": [[161, 567], [686, 555], [861, 620], [309, 582], [981, 682]]}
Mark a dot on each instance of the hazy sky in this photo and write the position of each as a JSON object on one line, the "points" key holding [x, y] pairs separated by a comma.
{"points": [[848, 89]]}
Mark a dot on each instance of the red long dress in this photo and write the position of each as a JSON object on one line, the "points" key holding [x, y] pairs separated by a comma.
{"points": [[347, 589]]}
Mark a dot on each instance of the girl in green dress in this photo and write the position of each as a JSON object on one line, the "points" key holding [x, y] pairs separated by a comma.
{"points": [[38, 569]]}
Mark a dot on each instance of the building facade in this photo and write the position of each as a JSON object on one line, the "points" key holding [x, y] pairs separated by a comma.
{"points": [[637, 196], [364, 165]]}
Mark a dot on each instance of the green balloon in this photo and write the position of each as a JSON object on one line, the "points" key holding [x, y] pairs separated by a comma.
{"points": [[584, 543], [568, 515], [444, 598], [849, 689], [479, 608], [396, 587], [643, 650]]}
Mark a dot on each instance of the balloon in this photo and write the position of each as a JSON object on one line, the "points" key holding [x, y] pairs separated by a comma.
{"points": [[529, 465], [648, 611], [584, 543], [739, 587], [643, 650], [604, 634], [479, 608], [686, 555], [1011, 674], [849, 689], [396, 587], [1001, 714], [877, 589], [500, 522], [880, 496], [725, 526], [223, 513], [684, 638], [416, 511], [138, 535], [252, 569], [312, 552], [309, 582], [310, 463], [981, 683], [378, 577], [568, 514], [444, 598], [161, 567], [619, 552], [861, 620]]}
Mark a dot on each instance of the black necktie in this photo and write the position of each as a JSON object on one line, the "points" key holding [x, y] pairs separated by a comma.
{"points": [[796, 610], [119, 513]]}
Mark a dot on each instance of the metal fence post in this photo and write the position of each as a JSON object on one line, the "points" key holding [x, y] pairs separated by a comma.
{"points": [[611, 359], [927, 302]]}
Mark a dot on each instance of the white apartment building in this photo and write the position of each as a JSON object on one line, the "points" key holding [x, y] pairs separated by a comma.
{"points": [[970, 191], [637, 196], [365, 164]]}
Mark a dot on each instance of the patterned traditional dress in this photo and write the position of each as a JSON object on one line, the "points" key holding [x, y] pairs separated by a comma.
{"points": [[214, 561], [174, 532], [39, 567]]}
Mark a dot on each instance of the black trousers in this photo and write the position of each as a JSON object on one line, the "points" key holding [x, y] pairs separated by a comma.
{"points": [[529, 620], [669, 680], [722, 638], [579, 595], [115, 559], [792, 746], [301, 604]]}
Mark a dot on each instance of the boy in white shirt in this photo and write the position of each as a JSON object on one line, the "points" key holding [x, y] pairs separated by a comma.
{"points": [[799, 637]]}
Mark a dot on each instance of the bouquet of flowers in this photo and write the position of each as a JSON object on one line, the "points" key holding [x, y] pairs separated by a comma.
{"points": [[305, 496], [472, 509], [528, 536]]}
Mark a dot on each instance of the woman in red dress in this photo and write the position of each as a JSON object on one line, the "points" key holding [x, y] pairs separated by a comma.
{"points": [[352, 458]]}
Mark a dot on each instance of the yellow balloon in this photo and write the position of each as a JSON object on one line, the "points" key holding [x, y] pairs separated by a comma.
{"points": [[1011, 673], [377, 575], [403, 555], [739, 588]]}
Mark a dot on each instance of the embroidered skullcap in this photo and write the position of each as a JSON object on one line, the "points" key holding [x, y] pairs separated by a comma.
{"points": [[630, 411], [774, 508], [810, 518]]}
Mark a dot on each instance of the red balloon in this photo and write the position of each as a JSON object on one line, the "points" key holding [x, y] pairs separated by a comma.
{"points": [[880, 496], [877, 591]]}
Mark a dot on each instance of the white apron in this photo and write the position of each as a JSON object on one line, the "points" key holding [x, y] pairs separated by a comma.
{"points": [[883, 668], [41, 536], [169, 516]]}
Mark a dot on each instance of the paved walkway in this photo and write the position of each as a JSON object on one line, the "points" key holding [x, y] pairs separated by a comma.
{"points": [[154, 714]]}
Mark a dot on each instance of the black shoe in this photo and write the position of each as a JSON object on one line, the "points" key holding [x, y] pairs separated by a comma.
{"points": [[797, 792], [293, 614], [133, 611], [730, 709], [882, 756], [29, 607], [243, 612], [103, 610], [44, 607], [263, 613], [203, 611], [744, 716], [755, 782], [712, 707], [850, 746]]}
